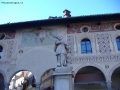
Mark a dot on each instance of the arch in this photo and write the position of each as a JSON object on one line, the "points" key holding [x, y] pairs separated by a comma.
{"points": [[17, 72], [112, 70], [85, 38], [37, 57], [23, 78], [47, 80], [93, 65], [47, 71], [5, 78]]}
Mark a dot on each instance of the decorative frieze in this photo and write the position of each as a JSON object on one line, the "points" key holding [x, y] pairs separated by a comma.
{"points": [[105, 58], [94, 27]]}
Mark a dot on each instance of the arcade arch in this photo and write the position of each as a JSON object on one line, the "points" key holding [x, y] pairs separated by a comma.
{"points": [[89, 77], [22, 80], [115, 79], [47, 80]]}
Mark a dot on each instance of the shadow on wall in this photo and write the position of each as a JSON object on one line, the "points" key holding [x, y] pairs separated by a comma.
{"points": [[37, 60]]}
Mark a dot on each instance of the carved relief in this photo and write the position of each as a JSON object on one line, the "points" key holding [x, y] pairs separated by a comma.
{"points": [[4, 62], [38, 37], [104, 43], [94, 59]]}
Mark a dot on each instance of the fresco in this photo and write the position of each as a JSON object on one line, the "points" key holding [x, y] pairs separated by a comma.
{"points": [[10, 35], [73, 29], [102, 27], [38, 37]]}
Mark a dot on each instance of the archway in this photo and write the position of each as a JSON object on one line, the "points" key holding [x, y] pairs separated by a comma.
{"points": [[47, 80], [91, 78], [115, 78], [1, 82], [22, 80]]}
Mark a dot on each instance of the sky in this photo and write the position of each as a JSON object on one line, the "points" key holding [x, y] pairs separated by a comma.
{"points": [[30, 10]]}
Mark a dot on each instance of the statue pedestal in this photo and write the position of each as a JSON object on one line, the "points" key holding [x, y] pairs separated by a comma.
{"points": [[63, 78]]}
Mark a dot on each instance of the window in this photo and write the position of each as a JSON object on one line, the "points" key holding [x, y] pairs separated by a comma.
{"points": [[85, 29], [118, 42], [86, 46], [2, 36], [1, 49], [117, 26]]}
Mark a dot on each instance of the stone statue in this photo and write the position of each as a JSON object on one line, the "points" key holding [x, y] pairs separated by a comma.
{"points": [[61, 49]]}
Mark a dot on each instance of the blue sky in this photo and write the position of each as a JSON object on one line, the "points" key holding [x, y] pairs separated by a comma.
{"points": [[31, 10]]}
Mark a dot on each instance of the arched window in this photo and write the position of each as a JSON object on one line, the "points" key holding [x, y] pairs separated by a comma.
{"points": [[1, 49], [86, 46], [118, 42]]}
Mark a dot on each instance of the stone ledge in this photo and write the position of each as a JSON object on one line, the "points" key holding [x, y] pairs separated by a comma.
{"points": [[62, 71]]}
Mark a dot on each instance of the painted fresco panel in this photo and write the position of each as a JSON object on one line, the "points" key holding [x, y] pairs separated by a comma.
{"points": [[38, 38]]}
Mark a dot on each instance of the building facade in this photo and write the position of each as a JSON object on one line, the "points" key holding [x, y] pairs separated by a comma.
{"points": [[28, 60]]}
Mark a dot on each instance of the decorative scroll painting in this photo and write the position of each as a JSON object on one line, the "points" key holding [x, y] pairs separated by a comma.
{"points": [[10, 35], [73, 29], [102, 27], [104, 43], [38, 37]]}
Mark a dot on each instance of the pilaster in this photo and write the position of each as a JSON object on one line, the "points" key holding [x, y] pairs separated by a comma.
{"points": [[108, 83], [6, 86]]}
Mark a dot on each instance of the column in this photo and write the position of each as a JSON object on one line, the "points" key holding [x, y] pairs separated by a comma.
{"points": [[63, 78], [37, 86], [6, 86], [108, 83]]}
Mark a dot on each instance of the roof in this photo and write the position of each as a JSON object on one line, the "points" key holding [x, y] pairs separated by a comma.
{"points": [[60, 21]]}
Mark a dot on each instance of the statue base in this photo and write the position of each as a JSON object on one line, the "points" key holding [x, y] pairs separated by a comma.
{"points": [[63, 78], [63, 70]]}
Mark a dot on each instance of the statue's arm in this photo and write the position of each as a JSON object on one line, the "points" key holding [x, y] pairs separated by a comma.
{"points": [[57, 42]]}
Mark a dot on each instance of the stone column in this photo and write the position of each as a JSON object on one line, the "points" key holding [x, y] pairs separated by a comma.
{"points": [[108, 83], [6, 86], [37, 86], [63, 78]]}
